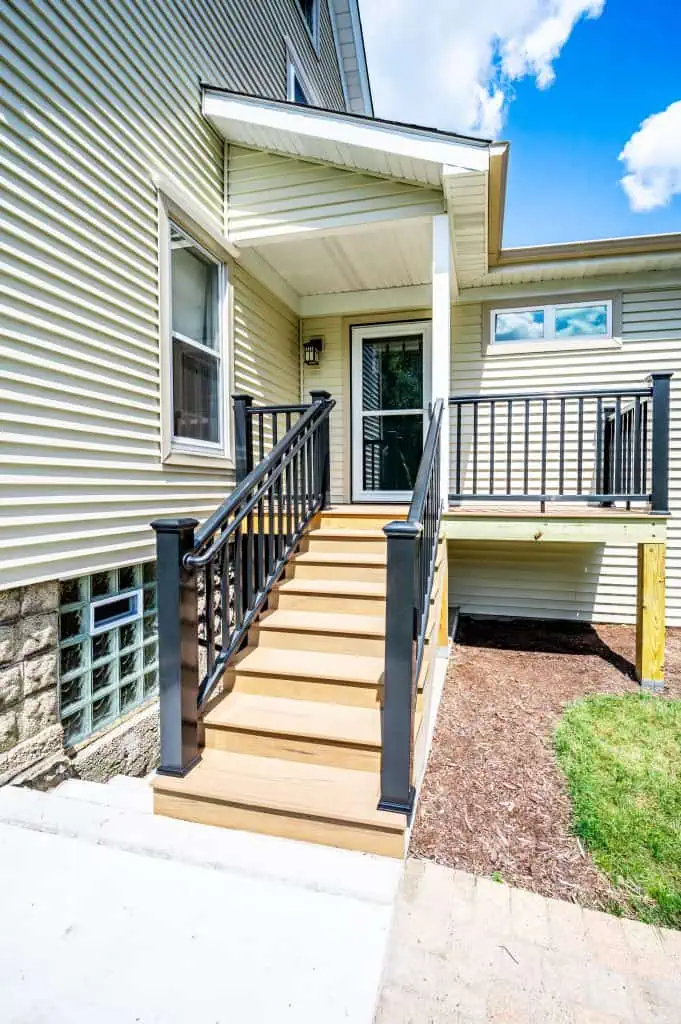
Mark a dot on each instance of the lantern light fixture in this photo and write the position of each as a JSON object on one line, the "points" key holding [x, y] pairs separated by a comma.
{"points": [[311, 351]]}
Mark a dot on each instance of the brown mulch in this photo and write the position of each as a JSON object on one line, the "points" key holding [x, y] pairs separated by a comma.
{"points": [[494, 799]]}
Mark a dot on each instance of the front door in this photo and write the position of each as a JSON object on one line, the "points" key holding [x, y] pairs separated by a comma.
{"points": [[390, 396]]}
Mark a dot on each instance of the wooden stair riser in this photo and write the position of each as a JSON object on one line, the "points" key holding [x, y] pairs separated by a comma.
{"points": [[288, 825], [352, 545], [325, 691], [311, 570], [328, 603], [294, 748], [338, 520], [305, 640]]}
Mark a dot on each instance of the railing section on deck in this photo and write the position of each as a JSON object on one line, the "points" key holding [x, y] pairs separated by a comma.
{"points": [[412, 560], [213, 581], [594, 445]]}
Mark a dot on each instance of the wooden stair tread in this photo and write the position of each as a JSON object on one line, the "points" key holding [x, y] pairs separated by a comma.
{"points": [[339, 588], [342, 558], [323, 622], [359, 534], [276, 661], [303, 788], [338, 723]]}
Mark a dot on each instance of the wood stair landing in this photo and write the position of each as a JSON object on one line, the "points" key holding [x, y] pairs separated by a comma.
{"points": [[292, 747]]}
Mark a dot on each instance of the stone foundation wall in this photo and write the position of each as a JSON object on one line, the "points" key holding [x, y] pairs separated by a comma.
{"points": [[29, 715], [31, 737]]}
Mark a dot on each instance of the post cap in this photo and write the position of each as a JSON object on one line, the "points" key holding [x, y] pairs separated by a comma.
{"points": [[246, 399], [174, 525], [662, 375], [403, 528], [320, 396]]}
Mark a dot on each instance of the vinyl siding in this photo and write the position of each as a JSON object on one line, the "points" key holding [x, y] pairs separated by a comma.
{"points": [[98, 96], [332, 375], [269, 196], [570, 581]]}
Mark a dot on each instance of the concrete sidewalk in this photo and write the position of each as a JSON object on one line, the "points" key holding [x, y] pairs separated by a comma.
{"points": [[467, 950], [109, 915]]}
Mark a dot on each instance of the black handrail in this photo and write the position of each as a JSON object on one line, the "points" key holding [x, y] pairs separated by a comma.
{"points": [[412, 562], [597, 445], [213, 582]]}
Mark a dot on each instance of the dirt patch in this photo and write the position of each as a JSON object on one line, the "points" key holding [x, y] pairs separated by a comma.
{"points": [[493, 799]]}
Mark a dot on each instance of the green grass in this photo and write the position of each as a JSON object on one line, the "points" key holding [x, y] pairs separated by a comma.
{"points": [[622, 759]]}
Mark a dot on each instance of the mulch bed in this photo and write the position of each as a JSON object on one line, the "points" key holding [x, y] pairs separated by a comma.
{"points": [[494, 799]]}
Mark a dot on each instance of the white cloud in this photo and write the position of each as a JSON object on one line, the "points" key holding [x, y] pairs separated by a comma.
{"points": [[451, 63], [652, 157]]}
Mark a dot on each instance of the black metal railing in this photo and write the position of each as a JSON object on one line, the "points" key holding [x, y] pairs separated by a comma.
{"points": [[594, 445], [214, 581], [412, 561]]}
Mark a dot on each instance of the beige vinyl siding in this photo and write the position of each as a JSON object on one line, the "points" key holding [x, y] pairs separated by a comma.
{"points": [[99, 96], [270, 195], [569, 581], [332, 375]]}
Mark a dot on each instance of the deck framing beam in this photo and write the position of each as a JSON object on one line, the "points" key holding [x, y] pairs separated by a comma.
{"points": [[608, 528]]}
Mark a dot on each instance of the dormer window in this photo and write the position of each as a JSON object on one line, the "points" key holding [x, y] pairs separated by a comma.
{"points": [[310, 11], [296, 89]]}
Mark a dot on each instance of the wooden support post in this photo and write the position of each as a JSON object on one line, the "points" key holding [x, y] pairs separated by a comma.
{"points": [[650, 616], [443, 628]]}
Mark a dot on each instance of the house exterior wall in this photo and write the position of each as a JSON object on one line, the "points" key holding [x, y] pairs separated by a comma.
{"points": [[567, 581], [270, 195], [99, 97]]}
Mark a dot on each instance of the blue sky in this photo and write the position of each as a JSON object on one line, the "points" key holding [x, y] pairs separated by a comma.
{"points": [[567, 82]]}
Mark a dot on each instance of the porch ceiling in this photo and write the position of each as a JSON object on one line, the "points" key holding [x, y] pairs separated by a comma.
{"points": [[387, 255]]}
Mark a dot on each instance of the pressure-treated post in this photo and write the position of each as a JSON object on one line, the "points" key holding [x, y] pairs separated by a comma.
{"points": [[324, 450], [650, 616], [243, 436], [178, 658], [397, 791], [660, 469]]}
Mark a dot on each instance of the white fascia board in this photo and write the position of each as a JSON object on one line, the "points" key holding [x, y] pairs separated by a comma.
{"points": [[377, 300], [569, 285], [403, 141], [362, 69]]}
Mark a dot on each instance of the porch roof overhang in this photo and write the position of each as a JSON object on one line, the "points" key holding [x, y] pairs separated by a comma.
{"points": [[372, 233], [391, 149]]}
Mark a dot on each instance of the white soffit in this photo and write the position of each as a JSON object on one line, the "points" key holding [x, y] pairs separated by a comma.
{"points": [[586, 269], [349, 141], [394, 255]]}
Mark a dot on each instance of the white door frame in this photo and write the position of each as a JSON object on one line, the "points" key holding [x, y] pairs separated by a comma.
{"points": [[386, 330]]}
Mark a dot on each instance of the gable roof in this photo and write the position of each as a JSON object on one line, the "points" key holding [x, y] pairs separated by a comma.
{"points": [[352, 61]]}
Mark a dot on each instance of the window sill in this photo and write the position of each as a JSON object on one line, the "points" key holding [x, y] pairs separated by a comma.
{"points": [[519, 348], [211, 460]]}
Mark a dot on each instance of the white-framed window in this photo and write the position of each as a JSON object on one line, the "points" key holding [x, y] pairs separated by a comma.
{"points": [[297, 87], [310, 10], [197, 291], [570, 322]]}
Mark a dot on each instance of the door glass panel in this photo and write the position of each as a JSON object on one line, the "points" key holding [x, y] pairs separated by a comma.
{"points": [[392, 373], [391, 450]]}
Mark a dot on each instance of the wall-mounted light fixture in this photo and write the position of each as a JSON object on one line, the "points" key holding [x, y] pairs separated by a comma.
{"points": [[311, 351]]}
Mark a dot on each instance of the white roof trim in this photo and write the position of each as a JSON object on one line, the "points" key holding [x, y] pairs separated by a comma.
{"points": [[308, 124], [352, 59]]}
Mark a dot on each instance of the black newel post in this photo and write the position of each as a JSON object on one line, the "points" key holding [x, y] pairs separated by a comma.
{"points": [[324, 451], [178, 656], [660, 462], [397, 791], [243, 436]]}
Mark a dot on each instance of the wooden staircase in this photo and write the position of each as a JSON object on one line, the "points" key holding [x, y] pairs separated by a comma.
{"points": [[292, 745]]}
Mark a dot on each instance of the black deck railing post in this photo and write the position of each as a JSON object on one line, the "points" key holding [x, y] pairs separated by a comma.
{"points": [[243, 436], [397, 790], [324, 450], [177, 646], [661, 388]]}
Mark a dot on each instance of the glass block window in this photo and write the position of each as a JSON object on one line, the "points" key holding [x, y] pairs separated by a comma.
{"points": [[108, 653]]}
